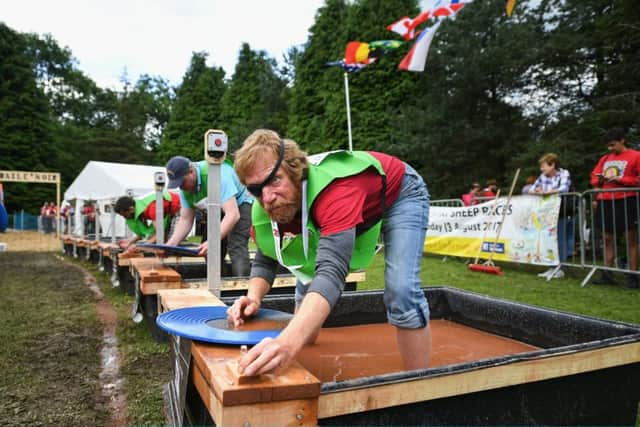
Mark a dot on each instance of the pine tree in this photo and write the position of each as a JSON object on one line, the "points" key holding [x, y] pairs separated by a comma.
{"points": [[197, 108], [316, 87], [25, 122], [256, 97]]}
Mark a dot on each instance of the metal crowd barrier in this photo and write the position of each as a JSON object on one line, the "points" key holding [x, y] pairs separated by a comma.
{"points": [[447, 203], [583, 241], [610, 236]]}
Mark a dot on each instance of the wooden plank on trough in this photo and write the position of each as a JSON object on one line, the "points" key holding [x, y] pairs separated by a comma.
{"points": [[235, 283], [295, 412], [294, 383], [82, 243], [152, 278], [493, 377], [125, 258], [170, 299]]}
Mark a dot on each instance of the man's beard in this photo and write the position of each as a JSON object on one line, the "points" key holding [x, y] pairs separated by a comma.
{"points": [[284, 212]]}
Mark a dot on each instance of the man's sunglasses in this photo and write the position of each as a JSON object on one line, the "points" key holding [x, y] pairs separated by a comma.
{"points": [[256, 189]]}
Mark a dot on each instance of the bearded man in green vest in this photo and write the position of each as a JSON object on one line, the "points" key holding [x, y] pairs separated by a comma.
{"points": [[320, 217], [140, 215]]}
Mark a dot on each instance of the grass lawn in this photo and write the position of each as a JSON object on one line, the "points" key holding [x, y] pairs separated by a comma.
{"points": [[520, 283]]}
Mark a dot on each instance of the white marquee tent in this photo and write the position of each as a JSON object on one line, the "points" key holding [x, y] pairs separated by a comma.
{"points": [[104, 182]]}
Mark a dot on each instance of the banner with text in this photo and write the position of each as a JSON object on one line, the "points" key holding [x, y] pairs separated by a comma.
{"points": [[528, 235]]}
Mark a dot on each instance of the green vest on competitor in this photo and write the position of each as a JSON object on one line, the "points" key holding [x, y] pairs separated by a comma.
{"points": [[140, 227], [198, 198], [327, 168]]}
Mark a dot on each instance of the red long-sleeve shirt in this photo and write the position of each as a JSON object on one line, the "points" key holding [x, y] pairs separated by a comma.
{"points": [[625, 165]]}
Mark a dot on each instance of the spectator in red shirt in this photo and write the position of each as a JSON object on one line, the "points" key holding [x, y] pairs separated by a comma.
{"points": [[617, 210], [469, 198], [89, 217]]}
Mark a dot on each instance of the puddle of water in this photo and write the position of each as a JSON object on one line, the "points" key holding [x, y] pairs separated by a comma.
{"points": [[112, 384]]}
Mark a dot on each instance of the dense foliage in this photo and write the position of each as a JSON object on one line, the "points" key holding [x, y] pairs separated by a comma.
{"points": [[496, 94]]}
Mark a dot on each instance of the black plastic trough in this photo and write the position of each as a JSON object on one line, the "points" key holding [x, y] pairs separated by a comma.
{"points": [[605, 391]]}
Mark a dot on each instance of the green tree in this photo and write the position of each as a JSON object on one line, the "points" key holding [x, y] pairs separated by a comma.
{"points": [[196, 109], [316, 87], [25, 122], [459, 125], [588, 75], [256, 97]]}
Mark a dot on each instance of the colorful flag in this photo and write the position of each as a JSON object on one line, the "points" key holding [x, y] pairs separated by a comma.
{"points": [[510, 4], [406, 26], [349, 68], [417, 56], [366, 53]]}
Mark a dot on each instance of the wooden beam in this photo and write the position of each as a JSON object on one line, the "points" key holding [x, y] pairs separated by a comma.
{"points": [[170, 299], [295, 412], [238, 284], [294, 383], [519, 372]]}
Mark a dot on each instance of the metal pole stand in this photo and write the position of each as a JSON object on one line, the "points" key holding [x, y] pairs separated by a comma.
{"points": [[215, 149], [159, 180]]}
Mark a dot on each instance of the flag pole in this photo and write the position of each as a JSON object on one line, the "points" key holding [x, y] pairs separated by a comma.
{"points": [[346, 94]]}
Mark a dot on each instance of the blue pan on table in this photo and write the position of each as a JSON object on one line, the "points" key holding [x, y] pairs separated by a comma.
{"points": [[208, 324], [181, 250]]}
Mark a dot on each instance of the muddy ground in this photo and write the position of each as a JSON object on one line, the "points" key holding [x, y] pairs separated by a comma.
{"points": [[70, 354]]}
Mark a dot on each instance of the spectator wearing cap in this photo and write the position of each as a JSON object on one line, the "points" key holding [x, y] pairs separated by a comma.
{"points": [[191, 178], [617, 211]]}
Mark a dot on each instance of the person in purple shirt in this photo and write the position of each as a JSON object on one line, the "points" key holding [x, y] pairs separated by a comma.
{"points": [[555, 180]]}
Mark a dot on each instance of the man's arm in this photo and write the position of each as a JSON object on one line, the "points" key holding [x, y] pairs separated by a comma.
{"points": [[231, 217], [263, 273], [332, 264], [182, 227], [275, 354], [596, 174], [126, 244]]}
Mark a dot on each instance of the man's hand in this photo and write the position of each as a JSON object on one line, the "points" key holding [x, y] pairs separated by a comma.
{"points": [[131, 249], [124, 244], [242, 308], [269, 356], [203, 249]]}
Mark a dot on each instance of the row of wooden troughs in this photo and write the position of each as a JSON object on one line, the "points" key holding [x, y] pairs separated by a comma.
{"points": [[493, 361]]}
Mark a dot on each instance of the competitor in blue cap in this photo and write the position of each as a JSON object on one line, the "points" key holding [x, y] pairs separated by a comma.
{"points": [[236, 203]]}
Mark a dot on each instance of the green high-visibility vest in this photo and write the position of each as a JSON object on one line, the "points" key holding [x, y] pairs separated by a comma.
{"points": [[339, 164], [193, 198], [140, 226]]}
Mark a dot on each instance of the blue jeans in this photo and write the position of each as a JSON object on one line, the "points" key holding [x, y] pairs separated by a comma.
{"points": [[565, 238], [403, 230]]}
